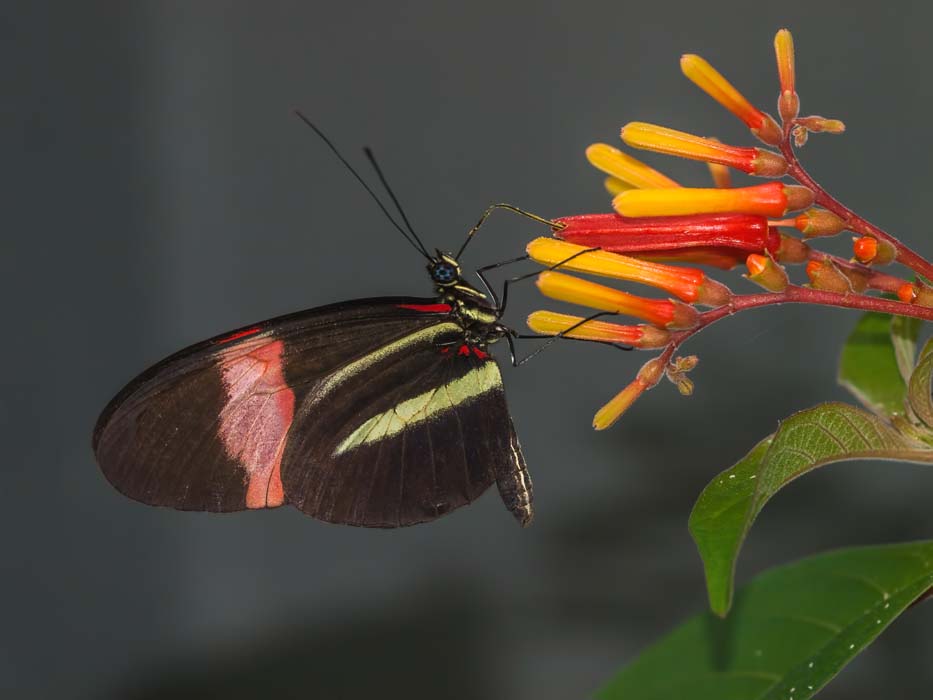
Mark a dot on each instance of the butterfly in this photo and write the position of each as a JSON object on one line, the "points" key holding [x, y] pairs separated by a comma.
{"points": [[380, 412]]}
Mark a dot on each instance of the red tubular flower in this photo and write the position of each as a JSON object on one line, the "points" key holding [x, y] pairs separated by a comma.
{"points": [[769, 199], [724, 239], [754, 161]]}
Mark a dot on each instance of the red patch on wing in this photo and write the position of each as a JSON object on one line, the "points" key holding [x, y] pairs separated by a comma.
{"points": [[236, 335], [427, 308], [480, 354], [255, 420], [445, 350], [464, 350]]}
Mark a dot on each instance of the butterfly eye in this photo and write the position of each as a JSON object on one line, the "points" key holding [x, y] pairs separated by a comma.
{"points": [[443, 273]]}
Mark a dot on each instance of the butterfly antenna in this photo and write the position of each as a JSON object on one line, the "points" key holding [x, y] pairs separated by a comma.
{"points": [[415, 242], [385, 183]]}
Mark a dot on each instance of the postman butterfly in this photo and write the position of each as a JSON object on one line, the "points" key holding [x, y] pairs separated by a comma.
{"points": [[381, 412]]}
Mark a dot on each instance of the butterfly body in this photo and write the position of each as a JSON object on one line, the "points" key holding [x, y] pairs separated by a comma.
{"points": [[380, 412]]}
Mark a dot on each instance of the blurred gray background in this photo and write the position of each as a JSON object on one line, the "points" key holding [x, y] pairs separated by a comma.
{"points": [[161, 192]]}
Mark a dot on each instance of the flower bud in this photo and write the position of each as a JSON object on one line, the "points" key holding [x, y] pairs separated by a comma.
{"points": [[824, 275], [819, 222], [766, 273], [792, 250], [870, 250], [818, 125]]}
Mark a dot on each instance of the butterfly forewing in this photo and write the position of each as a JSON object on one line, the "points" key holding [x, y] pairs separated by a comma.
{"points": [[205, 428]]}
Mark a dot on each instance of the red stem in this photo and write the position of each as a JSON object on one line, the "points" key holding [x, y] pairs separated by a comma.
{"points": [[854, 222], [793, 294]]}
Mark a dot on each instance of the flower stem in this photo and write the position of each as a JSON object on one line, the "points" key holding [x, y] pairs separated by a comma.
{"points": [[854, 222]]}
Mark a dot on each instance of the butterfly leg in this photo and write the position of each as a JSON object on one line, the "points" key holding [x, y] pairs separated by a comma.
{"points": [[551, 339], [555, 225], [500, 303]]}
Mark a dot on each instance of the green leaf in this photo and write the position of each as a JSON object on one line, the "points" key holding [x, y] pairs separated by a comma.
{"points": [[869, 366], [727, 507], [793, 629], [919, 387], [904, 331]]}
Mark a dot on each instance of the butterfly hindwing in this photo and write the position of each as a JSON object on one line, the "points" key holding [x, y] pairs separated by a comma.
{"points": [[205, 428], [404, 435]]}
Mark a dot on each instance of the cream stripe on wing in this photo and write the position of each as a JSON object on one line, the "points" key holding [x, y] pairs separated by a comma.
{"points": [[423, 407]]}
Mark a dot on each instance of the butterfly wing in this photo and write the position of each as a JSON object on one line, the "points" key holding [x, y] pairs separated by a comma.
{"points": [[405, 435], [218, 425], [205, 428]]}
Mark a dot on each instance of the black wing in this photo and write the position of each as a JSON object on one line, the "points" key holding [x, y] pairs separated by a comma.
{"points": [[403, 435], [195, 431], [209, 427]]}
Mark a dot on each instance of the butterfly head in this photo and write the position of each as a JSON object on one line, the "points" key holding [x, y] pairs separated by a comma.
{"points": [[444, 270]]}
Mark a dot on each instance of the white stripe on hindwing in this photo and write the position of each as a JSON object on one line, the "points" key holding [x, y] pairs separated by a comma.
{"points": [[424, 406]]}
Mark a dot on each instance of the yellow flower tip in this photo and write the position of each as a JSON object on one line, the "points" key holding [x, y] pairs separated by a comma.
{"points": [[614, 185], [716, 86], [683, 282], [772, 199], [788, 102], [624, 167], [648, 376], [652, 137], [618, 404]]}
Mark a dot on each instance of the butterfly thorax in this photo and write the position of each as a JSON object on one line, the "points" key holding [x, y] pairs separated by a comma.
{"points": [[479, 320]]}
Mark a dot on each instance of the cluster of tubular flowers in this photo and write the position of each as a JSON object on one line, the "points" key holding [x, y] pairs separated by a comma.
{"points": [[659, 227]]}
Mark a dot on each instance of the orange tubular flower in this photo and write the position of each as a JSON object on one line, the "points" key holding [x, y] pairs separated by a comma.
{"points": [[713, 84], [641, 336], [869, 250], [788, 102], [687, 284], [665, 313], [622, 166], [754, 161], [648, 376], [769, 199]]}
